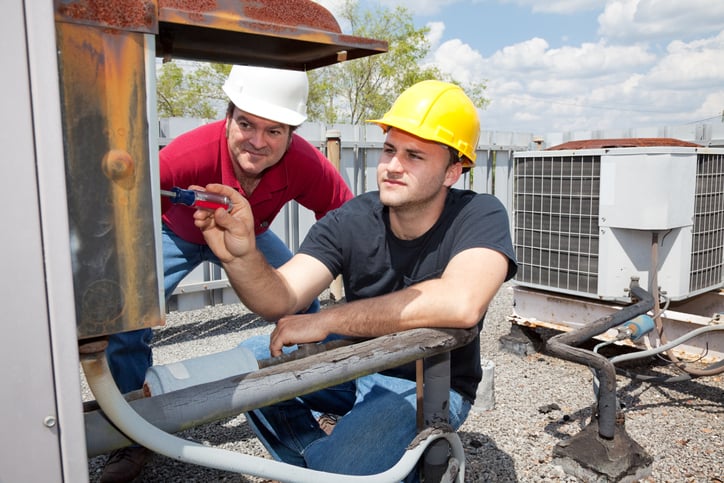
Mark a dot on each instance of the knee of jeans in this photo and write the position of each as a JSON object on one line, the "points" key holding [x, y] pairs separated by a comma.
{"points": [[459, 409]]}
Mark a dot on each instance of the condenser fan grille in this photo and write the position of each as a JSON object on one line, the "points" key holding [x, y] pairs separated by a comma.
{"points": [[556, 203], [708, 231]]}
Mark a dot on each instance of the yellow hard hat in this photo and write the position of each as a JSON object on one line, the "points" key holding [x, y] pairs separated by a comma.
{"points": [[437, 111]]}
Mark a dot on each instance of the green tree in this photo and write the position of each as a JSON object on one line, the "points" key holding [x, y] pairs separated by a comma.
{"points": [[191, 89], [360, 89], [348, 92]]}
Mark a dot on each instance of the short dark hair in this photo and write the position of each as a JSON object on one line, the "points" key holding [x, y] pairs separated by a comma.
{"points": [[455, 157]]}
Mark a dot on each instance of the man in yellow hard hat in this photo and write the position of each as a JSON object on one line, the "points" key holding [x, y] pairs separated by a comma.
{"points": [[416, 253]]}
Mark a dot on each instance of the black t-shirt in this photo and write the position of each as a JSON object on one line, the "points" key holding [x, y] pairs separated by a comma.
{"points": [[355, 240]]}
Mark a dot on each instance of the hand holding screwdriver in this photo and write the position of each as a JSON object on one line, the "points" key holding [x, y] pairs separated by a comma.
{"points": [[198, 199], [230, 235]]}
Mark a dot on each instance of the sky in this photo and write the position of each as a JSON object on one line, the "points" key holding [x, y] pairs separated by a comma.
{"points": [[580, 65]]}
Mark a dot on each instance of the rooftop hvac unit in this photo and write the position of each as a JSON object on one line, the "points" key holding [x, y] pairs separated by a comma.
{"points": [[588, 217]]}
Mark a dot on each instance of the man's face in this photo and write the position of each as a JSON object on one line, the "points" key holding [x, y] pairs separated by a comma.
{"points": [[413, 171], [255, 143]]}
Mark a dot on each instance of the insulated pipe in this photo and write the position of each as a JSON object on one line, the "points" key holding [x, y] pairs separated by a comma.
{"points": [[212, 401], [138, 429], [564, 346]]}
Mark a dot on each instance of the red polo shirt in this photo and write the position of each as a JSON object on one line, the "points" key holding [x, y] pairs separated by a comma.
{"points": [[201, 156]]}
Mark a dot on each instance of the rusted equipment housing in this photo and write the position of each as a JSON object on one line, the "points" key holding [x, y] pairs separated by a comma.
{"points": [[106, 54]]}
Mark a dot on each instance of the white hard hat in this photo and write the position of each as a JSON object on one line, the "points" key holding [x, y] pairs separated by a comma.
{"points": [[275, 94]]}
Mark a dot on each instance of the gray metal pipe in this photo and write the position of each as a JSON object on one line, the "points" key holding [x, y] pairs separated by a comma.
{"points": [[197, 405], [565, 347]]}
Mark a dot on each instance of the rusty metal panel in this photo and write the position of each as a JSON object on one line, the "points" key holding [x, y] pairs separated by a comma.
{"points": [[291, 34], [102, 48], [107, 156], [129, 15]]}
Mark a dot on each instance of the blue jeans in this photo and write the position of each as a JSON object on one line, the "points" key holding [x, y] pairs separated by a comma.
{"points": [[378, 423], [129, 353]]}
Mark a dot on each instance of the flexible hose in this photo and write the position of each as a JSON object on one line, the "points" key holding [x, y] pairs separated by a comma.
{"points": [[659, 323], [667, 346], [144, 433]]}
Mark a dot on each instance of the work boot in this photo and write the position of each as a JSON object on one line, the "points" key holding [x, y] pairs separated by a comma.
{"points": [[125, 464]]}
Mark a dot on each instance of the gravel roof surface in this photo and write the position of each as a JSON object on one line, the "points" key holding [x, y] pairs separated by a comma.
{"points": [[539, 402]]}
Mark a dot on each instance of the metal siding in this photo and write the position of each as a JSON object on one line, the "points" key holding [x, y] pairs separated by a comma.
{"points": [[38, 357]]}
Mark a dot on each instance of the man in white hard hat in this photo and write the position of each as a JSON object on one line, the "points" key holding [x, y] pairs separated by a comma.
{"points": [[255, 151]]}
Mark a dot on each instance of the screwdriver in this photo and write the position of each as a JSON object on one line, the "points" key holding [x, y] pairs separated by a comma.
{"points": [[197, 199]]}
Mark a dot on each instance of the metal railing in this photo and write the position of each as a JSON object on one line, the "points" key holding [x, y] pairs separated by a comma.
{"points": [[360, 147]]}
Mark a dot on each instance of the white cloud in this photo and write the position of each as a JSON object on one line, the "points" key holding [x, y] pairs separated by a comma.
{"points": [[420, 7], [651, 63], [697, 63], [558, 6], [618, 81], [437, 29], [460, 60], [588, 60], [631, 20], [334, 6]]}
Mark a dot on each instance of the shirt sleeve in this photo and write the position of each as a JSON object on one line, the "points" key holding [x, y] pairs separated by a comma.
{"points": [[484, 223]]}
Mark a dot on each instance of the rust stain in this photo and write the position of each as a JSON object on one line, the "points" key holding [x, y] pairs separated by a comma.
{"points": [[124, 80], [362, 41], [292, 12], [118, 166], [118, 13], [197, 6], [195, 9], [622, 143], [288, 13], [106, 131]]}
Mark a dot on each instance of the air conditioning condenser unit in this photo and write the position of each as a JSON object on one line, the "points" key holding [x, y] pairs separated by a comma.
{"points": [[588, 219]]}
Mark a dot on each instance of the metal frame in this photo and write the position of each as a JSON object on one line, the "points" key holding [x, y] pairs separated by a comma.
{"points": [[38, 357], [538, 308]]}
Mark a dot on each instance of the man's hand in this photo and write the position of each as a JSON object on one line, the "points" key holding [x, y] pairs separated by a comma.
{"points": [[229, 235], [297, 329]]}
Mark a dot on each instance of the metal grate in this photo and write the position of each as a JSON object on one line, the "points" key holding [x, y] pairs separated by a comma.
{"points": [[707, 245], [556, 221]]}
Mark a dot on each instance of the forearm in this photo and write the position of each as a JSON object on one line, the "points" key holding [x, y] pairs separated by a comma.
{"points": [[259, 286], [423, 305]]}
